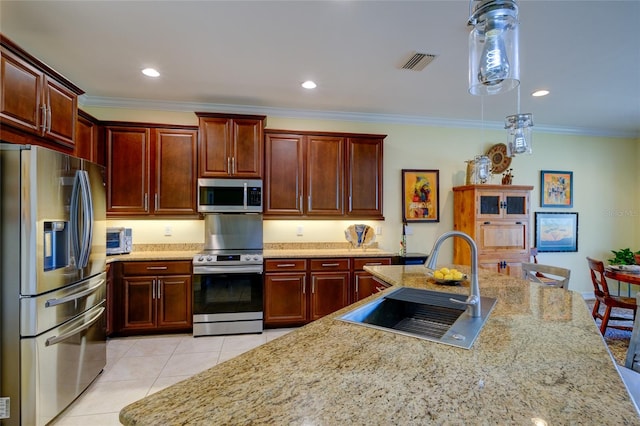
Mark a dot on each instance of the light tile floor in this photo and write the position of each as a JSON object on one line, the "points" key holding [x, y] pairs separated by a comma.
{"points": [[139, 366]]}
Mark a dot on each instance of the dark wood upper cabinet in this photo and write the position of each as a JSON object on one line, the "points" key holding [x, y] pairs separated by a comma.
{"points": [[284, 174], [89, 143], [175, 155], [322, 175], [364, 177], [36, 99], [325, 176], [151, 170], [230, 145]]}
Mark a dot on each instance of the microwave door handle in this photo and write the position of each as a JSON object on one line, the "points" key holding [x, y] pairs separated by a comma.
{"points": [[59, 301], [57, 339], [245, 195]]}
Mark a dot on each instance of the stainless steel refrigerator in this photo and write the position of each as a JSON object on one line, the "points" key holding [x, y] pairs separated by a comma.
{"points": [[52, 265]]}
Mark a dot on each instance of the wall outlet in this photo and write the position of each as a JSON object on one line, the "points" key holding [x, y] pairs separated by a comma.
{"points": [[378, 230], [408, 230], [299, 231], [168, 231]]}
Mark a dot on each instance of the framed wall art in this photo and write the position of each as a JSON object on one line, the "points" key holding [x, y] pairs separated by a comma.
{"points": [[556, 188], [420, 195], [556, 232]]}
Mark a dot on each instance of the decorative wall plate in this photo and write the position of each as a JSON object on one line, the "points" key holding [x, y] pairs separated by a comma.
{"points": [[498, 156]]}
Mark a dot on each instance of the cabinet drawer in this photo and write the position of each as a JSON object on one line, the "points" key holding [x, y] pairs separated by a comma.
{"points": [[284, 265], [156, 268], [337, 264], [359, 263]]}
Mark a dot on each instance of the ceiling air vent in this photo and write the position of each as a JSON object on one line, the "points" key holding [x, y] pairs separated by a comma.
{"points": [[418, 61]]}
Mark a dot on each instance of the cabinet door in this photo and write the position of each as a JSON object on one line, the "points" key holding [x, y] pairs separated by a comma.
{"points": [[128, 153], [283, 175], [173, 300], [502, 205], [175, 171], [215, 147], [325, 176], [364, 285], [364, 177], [508, 267], [86, 139], [516, 205], [285, 298], [20, 93], [502, 236], [139, 303], [247, 148], [62, 110], [329, 292]]}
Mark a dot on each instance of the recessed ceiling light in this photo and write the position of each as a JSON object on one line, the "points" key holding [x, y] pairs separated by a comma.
{"points": [[538, 93], [309, 84], [150, 72]]}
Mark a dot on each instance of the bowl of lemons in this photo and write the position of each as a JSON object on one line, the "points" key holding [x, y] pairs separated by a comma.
{"points": [[447, 276]]}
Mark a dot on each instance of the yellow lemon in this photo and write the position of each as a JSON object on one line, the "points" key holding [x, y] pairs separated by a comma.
{"points": [[457, 275], [438, 275], [445, 271], [448, 277]]}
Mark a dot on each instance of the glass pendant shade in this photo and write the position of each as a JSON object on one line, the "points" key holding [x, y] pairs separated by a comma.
{"points": [[494, 65], [519, 134]]}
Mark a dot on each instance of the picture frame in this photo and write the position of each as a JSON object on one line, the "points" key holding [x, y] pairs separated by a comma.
{"points": [[556, 232], [556, 188], [420, 195]]}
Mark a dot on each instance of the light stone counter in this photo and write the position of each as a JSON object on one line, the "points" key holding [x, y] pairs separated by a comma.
{"points": [[539, 356], [319, 253]]}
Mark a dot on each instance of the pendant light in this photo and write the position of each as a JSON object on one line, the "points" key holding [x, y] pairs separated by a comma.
{"points": [[518, 132], [493, 47]]}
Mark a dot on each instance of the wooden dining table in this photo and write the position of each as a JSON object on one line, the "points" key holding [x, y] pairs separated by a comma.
{"points": [[623, 276]]}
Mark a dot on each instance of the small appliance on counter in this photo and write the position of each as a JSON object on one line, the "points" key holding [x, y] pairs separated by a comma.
{"points": [[119, 240]]}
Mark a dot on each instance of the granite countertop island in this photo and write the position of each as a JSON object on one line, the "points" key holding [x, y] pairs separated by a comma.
{"points": [[539, 358]]}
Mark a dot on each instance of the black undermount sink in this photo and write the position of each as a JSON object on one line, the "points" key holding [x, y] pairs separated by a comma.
{"points": [[425, 314]]}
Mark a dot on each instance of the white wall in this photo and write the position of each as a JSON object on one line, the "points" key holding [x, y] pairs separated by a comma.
{"points": [[606, 173]]}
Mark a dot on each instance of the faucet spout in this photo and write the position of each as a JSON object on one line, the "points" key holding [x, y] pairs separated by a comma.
{"points": [[473, 300]]}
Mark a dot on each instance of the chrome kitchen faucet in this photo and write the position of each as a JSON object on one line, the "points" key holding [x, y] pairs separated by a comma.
{"points": [[474, 298]]}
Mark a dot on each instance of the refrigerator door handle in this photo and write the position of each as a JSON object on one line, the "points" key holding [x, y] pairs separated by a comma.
{"points": [[59, 301], [57, 339], [81, 225]]}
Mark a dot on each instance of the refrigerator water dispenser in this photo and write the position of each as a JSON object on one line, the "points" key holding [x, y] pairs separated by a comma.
{"points": [[56, 245]]}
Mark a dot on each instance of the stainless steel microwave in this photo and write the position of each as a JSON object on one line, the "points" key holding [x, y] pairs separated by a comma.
{"points": [[119, 240], [229, 195]]}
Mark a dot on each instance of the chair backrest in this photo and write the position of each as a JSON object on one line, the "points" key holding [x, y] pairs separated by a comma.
{"points": [[633, 353], [600, 286], [554, 276]]}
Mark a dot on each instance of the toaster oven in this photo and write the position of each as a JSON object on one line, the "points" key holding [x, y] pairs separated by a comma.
{"points": [[119, 240]]}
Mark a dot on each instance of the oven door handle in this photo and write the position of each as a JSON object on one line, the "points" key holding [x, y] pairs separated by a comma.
{"points": [[248, 269]]}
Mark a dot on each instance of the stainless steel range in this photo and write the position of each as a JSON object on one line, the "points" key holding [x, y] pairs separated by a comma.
{"points": [[228, 276]]}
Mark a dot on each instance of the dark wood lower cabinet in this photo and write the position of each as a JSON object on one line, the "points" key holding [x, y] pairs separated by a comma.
{"points": [[154, 303], [364, 284], [298, 291]]}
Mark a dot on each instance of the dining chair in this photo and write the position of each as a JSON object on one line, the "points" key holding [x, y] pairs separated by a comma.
{"points": [[601, 291], [553, 276], [633, 352]]}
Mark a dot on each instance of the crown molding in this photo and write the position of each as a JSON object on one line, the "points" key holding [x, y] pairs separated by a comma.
{"points": [[108, 102]]}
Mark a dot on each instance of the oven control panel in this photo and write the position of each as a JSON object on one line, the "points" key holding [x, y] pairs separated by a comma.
{"points": [[227, 259]]}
